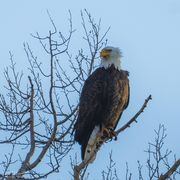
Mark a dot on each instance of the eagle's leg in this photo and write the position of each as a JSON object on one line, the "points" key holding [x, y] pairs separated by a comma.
{"points": [[110, 133]]}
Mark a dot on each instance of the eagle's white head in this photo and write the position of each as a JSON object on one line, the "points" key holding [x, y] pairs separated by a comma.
{"points": [[110, 56]]}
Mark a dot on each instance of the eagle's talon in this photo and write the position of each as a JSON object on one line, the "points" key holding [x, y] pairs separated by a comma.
{"points": [[113, 134], [109, 133], [106, 132]]}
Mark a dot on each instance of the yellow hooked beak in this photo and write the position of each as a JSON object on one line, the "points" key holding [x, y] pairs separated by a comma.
{"points": [[105, 53]]}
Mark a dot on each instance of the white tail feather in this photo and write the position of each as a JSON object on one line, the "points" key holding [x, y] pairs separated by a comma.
{"points": [[92, 144]]}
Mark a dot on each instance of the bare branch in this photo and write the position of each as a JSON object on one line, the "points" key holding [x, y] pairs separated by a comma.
{"points": [[83, 164], [25, 164], [173, 168], [133, 119]]}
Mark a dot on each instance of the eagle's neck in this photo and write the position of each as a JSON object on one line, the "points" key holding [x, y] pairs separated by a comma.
{"points": [[111, 61]]}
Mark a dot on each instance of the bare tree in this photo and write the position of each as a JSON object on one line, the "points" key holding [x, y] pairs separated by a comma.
{"points": [[38, 110]]}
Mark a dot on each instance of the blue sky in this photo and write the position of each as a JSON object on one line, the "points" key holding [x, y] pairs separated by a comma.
{"points": [[147, 32]]}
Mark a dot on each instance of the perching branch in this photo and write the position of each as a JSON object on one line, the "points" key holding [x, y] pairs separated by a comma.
{"points": [[83, 164], [158, 159], [134, 118]]}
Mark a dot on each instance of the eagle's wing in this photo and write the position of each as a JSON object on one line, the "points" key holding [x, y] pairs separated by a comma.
{"points": [[90, 108], [117, 98], [124, 82]]}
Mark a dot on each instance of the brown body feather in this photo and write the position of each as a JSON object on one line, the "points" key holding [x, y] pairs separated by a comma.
{"points": [[104, 97]]}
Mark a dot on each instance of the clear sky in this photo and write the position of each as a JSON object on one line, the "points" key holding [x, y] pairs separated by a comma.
{"points": [[147, 32]]}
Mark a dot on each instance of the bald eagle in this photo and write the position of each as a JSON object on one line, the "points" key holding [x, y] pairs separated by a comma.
{"points": [[103, 99]]}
